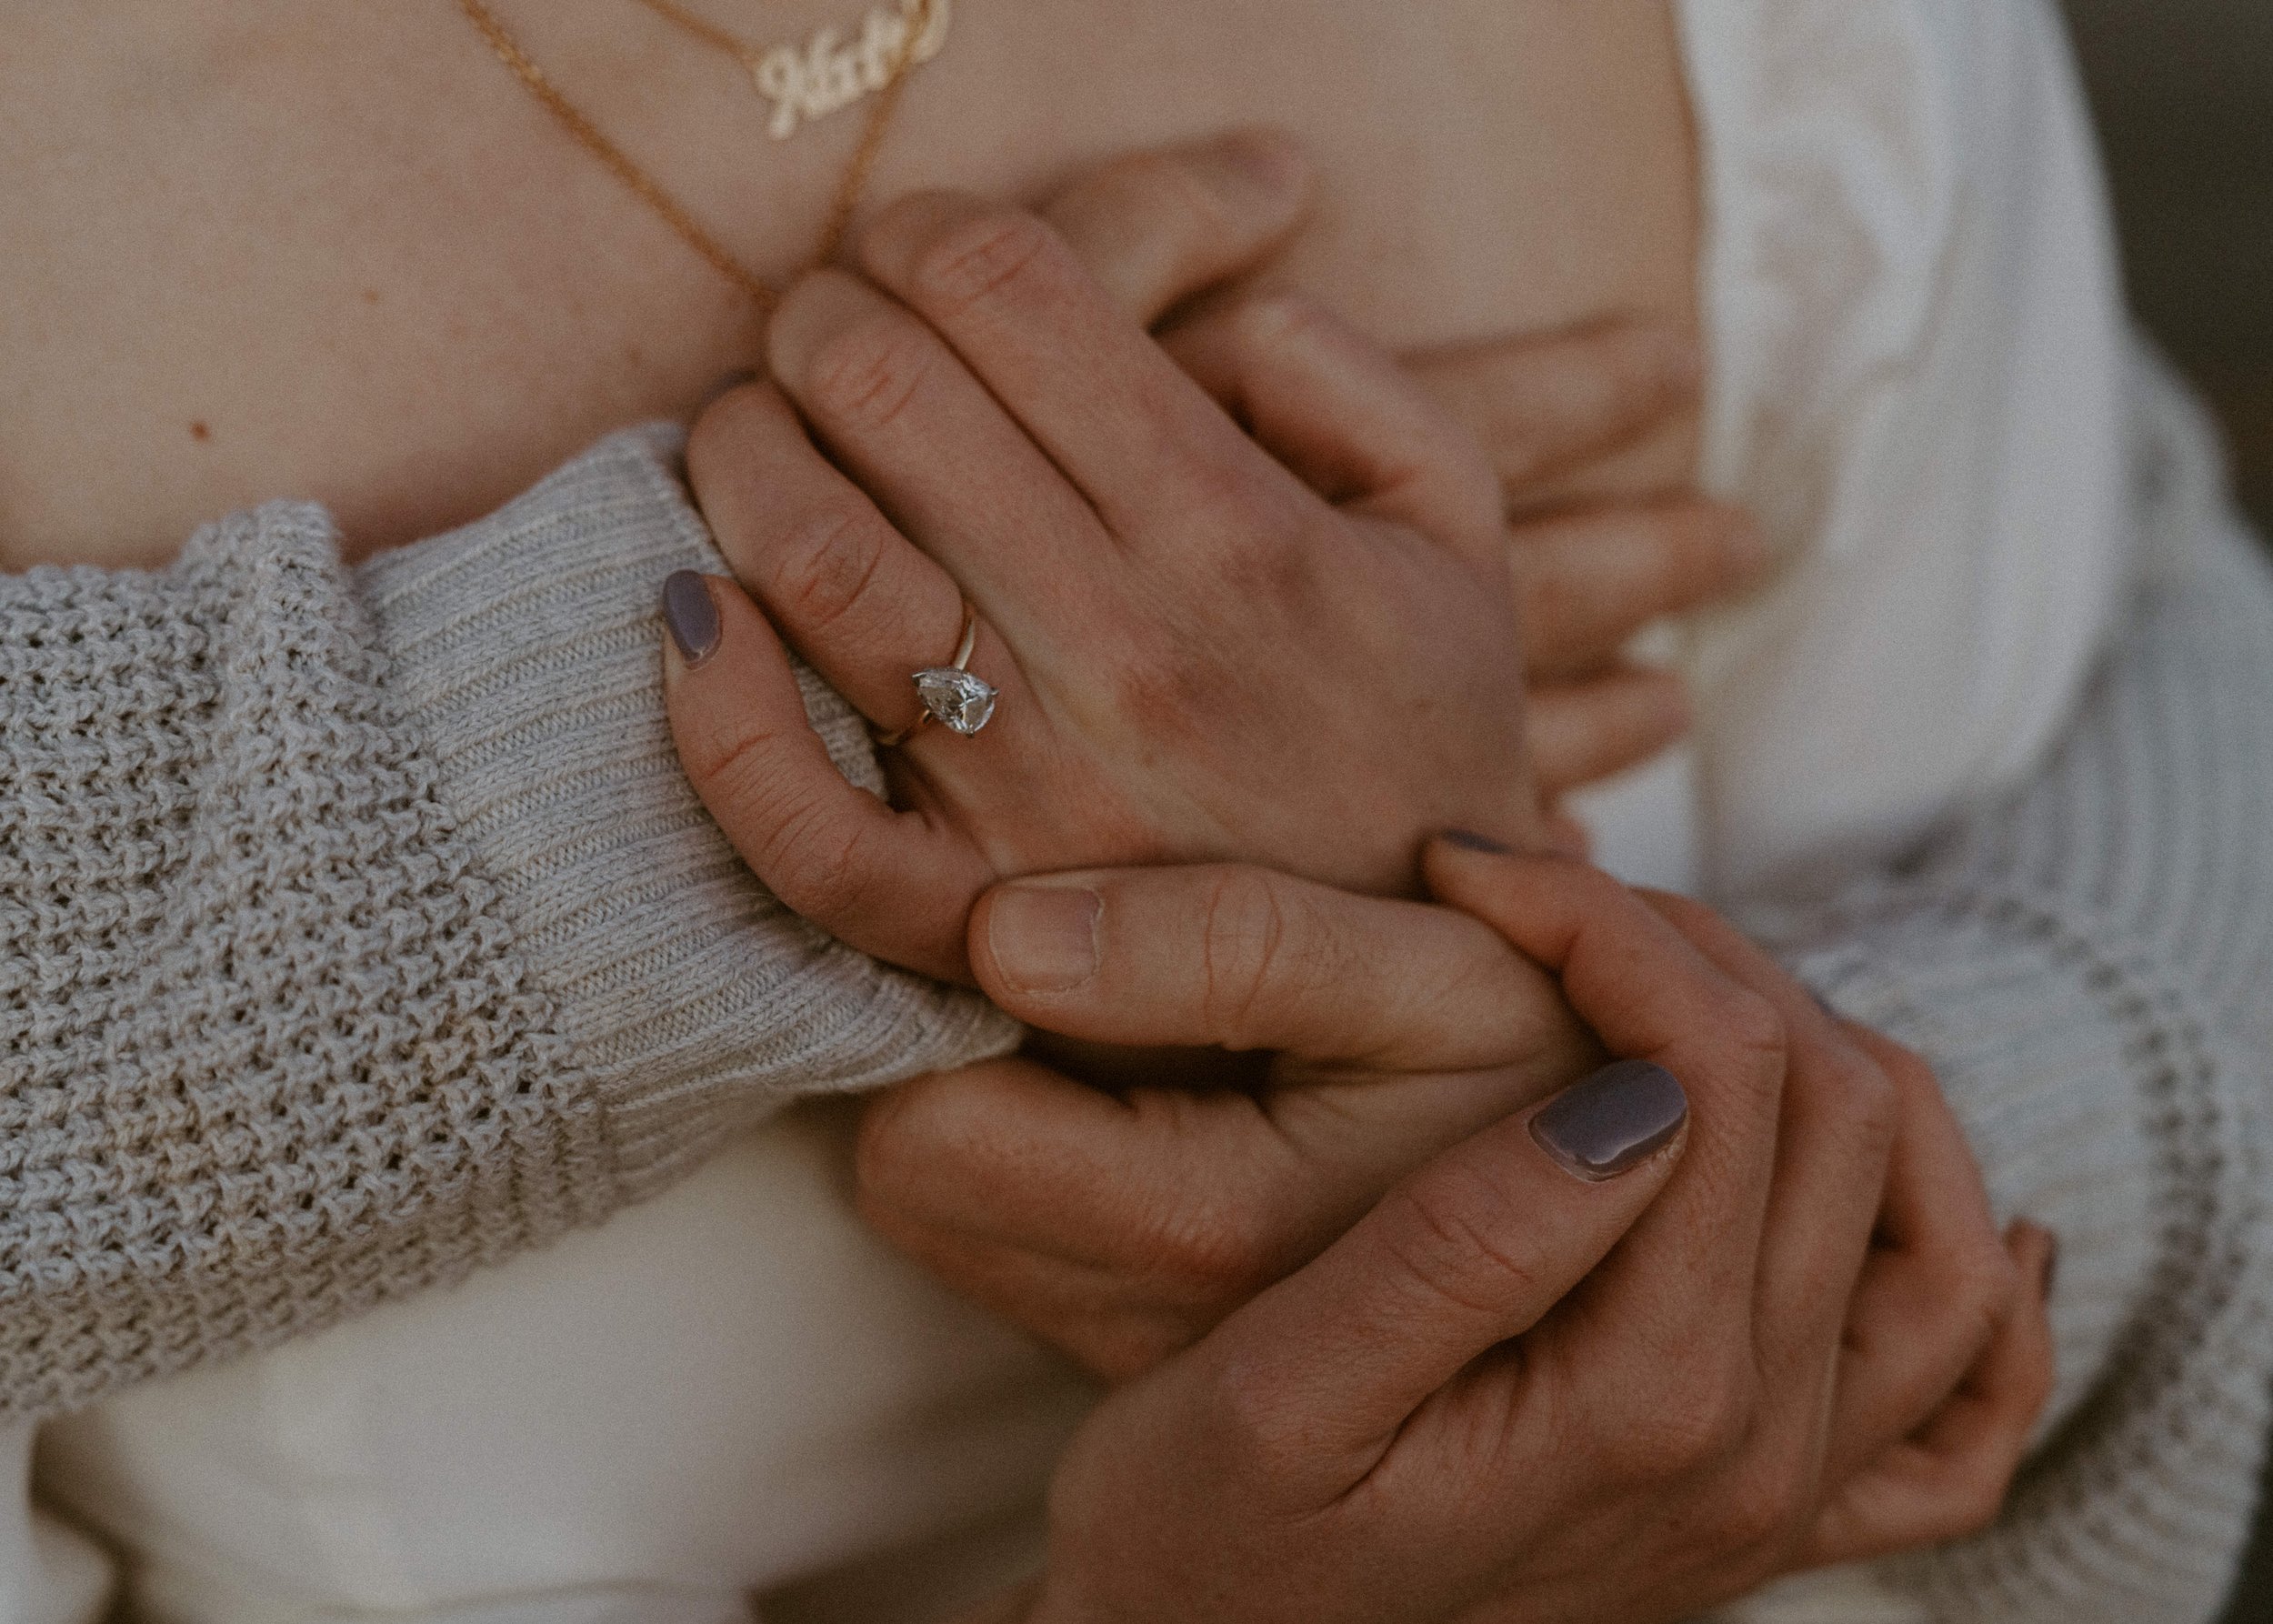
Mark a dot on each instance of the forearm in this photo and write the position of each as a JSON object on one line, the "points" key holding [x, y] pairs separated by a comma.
{"points": [[363, 929], [2087, 968]]}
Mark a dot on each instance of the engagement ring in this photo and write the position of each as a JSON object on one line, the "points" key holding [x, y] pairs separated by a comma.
{"points": [[949, 694]]}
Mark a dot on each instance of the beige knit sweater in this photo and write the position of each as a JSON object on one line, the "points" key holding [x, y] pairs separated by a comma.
{"points": [[359, 929]]}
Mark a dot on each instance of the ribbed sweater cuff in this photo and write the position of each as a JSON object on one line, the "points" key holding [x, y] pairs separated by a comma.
{"points": [[527, 647], [2101, 1104]]}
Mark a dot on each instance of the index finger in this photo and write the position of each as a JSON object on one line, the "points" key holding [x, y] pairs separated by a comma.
{"points": [[1085, 382]]}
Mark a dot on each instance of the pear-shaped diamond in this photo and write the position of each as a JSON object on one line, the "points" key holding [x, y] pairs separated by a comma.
{"points": [[960, 701]]}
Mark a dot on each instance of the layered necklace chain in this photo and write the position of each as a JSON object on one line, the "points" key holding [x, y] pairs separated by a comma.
{"points": [[804, 83]]}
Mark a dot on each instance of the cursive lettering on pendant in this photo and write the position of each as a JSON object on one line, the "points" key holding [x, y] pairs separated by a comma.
{"points": [[830, 72]]}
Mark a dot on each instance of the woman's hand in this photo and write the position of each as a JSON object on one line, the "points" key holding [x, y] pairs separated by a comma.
{"points": [[1198, 656], [1206, 656], [1512, 1393]]}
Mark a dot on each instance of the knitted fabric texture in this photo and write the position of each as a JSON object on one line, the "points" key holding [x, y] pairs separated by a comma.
{"points": [[360, 928], [2090, 968], [306, 1004]]}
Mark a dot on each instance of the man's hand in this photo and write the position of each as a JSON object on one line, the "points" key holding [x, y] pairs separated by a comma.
{"points": [[1504, 1392]]}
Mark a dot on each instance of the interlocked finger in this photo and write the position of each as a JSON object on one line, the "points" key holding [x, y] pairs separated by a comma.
{"points": [[1836, 1137], [1589, 579], [1581, 733], [1343, 414], [1547, 407]]}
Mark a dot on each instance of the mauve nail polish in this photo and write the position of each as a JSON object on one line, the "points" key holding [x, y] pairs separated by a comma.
{"points": [[692, 615], [1614, 1120]]}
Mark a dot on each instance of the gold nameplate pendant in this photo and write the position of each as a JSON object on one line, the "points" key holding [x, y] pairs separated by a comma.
{"points": [[830, 72]]}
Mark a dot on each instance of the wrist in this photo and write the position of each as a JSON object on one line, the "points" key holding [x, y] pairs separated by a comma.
{"points": [[527, 649]]}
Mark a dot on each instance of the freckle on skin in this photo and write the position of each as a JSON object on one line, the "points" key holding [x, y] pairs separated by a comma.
{"points": [[199, 432], [370, 296]]}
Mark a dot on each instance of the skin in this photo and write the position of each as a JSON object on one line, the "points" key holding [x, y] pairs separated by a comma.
{"points": [[1171, 549], [343, 240], [1509, 1394], [222, 283], [1892, 1319]]}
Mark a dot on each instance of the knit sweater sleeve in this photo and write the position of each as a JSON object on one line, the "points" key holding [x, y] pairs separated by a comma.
{"points": [[2089, 967], [358, 927]]}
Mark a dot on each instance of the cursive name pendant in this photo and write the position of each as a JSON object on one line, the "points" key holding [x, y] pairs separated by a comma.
{"points": [[830, 72]]}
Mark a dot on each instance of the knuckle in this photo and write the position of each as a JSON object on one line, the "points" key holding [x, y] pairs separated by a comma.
{"points": [[801, 847], [1754, 1032], [1717, 548], [825, 563], [1663, 1449], [979, 252], [1454, 1247], [1253, 1419], [896, 1148], [1243, 949], [867, 374], [726, 754], [1216, 1254], [809, 858], [1984, 1285], [1698, 1424], [1162, 193], [1871, 1102], [1121, 1349], [1242, 513], [1170, 689], [1251, 550]]}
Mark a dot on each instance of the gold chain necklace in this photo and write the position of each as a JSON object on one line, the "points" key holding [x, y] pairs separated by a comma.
{"points": [[829, 72], [649, 191]]}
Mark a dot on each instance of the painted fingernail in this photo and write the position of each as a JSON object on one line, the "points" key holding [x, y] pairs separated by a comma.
{"points": [[1044, 939], [692, 614], [1613, 1121], [1469, 840]]}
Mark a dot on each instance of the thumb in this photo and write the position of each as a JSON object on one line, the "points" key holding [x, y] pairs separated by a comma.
{"points": [[1473, 1251]]}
